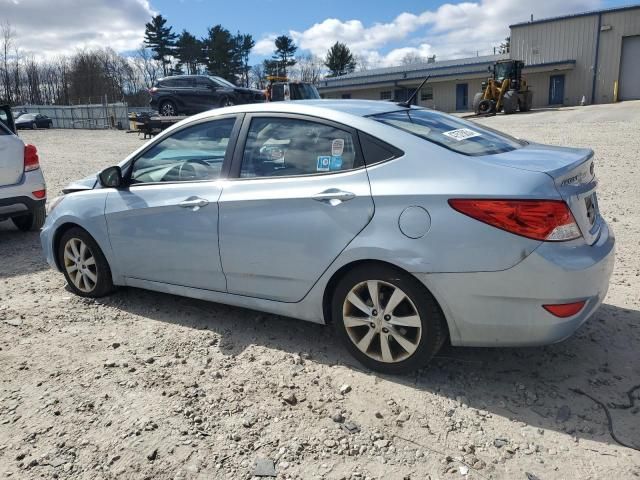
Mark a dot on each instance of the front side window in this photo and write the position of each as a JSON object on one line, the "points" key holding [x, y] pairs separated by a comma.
{"points": [[278, 147], [450, 132], [193, 153], [222, 82]]}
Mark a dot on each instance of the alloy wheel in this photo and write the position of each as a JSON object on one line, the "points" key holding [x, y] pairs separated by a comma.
{"points": [[382, 321], [168, 110], [80, 265]]}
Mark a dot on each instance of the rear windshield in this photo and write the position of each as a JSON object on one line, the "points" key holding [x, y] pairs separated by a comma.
{"points": [[303, 91], [450, 132]]}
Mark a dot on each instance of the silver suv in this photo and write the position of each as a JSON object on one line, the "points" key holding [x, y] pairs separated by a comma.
{"points": [[23, 193]]}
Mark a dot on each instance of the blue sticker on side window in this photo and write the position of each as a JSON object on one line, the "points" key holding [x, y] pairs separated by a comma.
{"points": [[324, 163], [336, 162]]}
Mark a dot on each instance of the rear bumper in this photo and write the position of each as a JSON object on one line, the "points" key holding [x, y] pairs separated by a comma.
{"points": [[505, 308], [18, 199]]}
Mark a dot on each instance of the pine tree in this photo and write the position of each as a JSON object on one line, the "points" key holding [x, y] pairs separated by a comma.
{"points": [[285, 50], [222, 54], [245, 44], [161, 40], [188, 52], [339, 60]]}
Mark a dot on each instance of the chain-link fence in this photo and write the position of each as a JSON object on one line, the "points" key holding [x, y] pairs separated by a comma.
{"points": [[94, 116]]}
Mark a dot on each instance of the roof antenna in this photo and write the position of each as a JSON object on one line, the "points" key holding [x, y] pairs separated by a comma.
{"points": [[407, 102]]}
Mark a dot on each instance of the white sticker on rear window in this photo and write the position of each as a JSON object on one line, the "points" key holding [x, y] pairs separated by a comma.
{"points": [[461, 134], [337, 147]]}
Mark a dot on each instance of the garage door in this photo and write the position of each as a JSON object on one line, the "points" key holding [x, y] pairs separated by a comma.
{"points": [[630, 69]]}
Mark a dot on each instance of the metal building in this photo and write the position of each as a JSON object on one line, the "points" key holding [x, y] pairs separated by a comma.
{"points": [[595, 55]]}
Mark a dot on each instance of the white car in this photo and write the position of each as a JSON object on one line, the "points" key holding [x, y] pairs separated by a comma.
{"points": [[23, 192]]}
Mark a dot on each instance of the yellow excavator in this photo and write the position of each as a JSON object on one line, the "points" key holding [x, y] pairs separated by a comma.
{"points": [[506, 90]]}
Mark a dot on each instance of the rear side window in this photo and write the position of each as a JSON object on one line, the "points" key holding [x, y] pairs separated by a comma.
{"points": [[376, 151], [450, 132], [279, 147]]}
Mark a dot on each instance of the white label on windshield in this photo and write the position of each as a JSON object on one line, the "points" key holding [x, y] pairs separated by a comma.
{"points": [[461, 134]]}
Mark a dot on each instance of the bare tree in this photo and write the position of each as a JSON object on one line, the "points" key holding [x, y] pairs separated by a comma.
{"points": [[362, 63], [413, 58], [257, 76], [149, 69], [6, 39], [308, 68]]}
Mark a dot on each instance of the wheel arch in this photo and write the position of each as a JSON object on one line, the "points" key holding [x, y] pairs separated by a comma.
{"points": [[57, 236], [342, 271]]}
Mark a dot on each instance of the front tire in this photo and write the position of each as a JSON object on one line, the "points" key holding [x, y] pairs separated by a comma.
{"points": [[33, 221], [387, 319], [33, 126], [476, 102], [83, 264]]}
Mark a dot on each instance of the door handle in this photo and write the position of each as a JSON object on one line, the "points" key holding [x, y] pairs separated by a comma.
{"points": [[333, 196], [194, 203]]}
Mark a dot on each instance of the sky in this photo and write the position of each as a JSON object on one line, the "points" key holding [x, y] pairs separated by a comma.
{"points": [[380, 32]]}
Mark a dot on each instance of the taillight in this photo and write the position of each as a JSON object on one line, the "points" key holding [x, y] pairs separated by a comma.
{"points": [[39, 194], [565, 310], [153, 89], [31, 160], [546, 220]]}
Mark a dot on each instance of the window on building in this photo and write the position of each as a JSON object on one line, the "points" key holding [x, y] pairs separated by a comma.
{"points": [[386, 95], [426, 93], [346, 96]]}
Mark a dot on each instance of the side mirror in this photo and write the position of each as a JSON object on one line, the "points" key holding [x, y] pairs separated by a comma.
{"points": [[111, 177]]}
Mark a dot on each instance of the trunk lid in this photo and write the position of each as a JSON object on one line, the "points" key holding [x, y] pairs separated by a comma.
{"points": [[11, 158], [572, 171]]}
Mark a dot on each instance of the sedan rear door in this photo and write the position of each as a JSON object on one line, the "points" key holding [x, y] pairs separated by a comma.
{"points": [[299, 194]]}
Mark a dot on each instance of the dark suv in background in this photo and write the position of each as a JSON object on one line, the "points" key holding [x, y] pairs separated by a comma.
{"points": [[189, 94]]}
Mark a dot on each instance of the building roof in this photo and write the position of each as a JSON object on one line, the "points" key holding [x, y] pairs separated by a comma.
{"points": [[576, 15], [412, 71]]}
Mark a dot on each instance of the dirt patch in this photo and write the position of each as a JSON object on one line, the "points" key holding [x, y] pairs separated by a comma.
{"points": [[146, 385]]}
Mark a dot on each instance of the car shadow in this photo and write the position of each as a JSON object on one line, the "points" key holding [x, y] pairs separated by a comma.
{"points": [[20, 252], [529, 385]]}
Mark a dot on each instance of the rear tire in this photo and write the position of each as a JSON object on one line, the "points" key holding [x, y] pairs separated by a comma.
{"points": [[168, 109], [402, 338], [83, 264], [33, 221], [526, 105], [510, 102]]}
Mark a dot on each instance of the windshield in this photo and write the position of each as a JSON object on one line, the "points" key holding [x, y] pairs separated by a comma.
{"points": [[303, 91], [450, 132], [27, 116], [222, 81], [503, 70]]}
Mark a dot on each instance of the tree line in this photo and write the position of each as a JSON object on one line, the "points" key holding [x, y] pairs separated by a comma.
{"points": [[98, 75], [227, 55]]}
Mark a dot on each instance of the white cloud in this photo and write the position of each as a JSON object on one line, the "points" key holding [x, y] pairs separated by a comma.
{"points": [[265, 46], [46, 28], [453, 30]]}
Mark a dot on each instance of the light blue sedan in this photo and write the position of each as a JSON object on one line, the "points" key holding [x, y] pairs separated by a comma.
{"points": [[401, 226]]}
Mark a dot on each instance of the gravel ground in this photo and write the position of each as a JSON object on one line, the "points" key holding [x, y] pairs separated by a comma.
{"points": [[146, 385]]}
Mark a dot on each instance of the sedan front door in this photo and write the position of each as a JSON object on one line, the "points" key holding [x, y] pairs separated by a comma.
{"points": [[164, 226], [300, 195]]}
